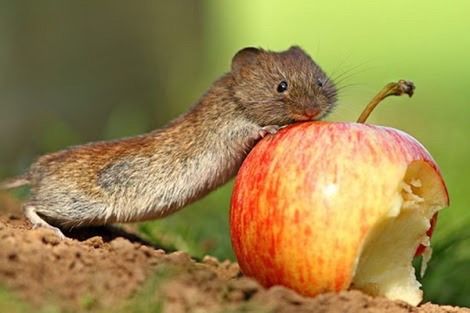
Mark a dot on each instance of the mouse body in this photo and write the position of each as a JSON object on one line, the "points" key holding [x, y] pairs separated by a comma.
{"points": [[152, 175]]}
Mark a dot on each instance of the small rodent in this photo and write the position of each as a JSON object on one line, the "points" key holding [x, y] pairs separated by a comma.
{"points": [[152, 175]]}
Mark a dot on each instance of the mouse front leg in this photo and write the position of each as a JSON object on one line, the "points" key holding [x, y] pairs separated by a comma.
{"points": [[252, 135]]}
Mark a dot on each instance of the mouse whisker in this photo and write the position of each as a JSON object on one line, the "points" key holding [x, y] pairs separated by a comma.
{"points": [[340, 66], [347, 74], [353, 69], [342, 87]]}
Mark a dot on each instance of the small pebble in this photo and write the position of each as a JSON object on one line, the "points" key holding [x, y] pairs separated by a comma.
{"points": [[95, 241], [180, 257], [210, 260], [121, 244]]}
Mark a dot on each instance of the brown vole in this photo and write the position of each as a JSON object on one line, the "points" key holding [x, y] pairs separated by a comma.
{"points": [[152, 175]]}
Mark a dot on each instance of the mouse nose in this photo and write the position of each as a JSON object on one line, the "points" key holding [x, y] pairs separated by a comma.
{"points": [[311, 112]]}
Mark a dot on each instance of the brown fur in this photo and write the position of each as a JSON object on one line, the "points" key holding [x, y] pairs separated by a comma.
{"points": [[152, 175]]}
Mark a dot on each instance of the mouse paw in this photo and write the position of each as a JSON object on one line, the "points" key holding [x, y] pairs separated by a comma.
{"points": [[270, 129], [56, 230]]}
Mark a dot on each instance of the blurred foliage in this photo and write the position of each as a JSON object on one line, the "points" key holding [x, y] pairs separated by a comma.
{"points": [[12, 304], [73, 72]]}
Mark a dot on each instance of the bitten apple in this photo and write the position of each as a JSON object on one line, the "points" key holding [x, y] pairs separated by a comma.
{"points": [[324, 206]]}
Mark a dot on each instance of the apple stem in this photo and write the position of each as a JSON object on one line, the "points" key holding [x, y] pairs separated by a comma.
{"points": [[391, 89]]}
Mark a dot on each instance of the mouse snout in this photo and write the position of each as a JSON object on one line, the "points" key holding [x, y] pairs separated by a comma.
{"points": [[310, 108], [307, 110], [311, 111]]}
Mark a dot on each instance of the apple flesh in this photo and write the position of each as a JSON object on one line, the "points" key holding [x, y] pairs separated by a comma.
{"points": [[328, 206]]}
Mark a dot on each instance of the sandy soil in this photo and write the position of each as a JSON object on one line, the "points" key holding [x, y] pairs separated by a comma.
{"points": [[103, 267]]}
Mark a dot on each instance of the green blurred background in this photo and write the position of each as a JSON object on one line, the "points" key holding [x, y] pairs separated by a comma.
{"points": [[73, 72]]}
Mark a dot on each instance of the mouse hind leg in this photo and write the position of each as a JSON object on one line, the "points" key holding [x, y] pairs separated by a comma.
{"points": [[31, 214]]}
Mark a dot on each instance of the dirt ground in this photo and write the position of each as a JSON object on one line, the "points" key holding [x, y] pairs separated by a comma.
{"points": [[100, 269]]}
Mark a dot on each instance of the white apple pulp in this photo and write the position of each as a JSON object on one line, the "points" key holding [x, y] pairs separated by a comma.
{"points": [[384, 267]]}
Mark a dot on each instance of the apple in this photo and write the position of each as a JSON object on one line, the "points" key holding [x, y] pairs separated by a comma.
{"points": [[325, 206]]}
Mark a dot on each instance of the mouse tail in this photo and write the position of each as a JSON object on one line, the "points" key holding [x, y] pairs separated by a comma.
{"points": [[15, 182]]}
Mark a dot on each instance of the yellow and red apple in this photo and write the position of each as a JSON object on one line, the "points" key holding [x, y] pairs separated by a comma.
{"points": [[324, 206]]}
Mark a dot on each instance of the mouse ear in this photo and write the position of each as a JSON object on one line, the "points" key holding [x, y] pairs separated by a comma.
{"points": [[296, 50], [244, 57]]}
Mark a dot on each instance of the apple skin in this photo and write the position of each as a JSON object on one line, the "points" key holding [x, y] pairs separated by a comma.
{"points": [[305, 198]]}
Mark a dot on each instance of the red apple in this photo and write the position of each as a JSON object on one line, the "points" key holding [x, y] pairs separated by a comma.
{"points": [[329, 206]]}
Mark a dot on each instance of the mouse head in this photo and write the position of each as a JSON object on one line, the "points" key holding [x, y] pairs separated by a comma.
{"points": [[281, 87]]}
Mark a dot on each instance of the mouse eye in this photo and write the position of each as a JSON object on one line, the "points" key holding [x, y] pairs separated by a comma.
{"points": [[319, 82], [282, 86]]}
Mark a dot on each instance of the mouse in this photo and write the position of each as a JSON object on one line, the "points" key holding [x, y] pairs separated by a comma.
{"points": [[152, 175]]}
